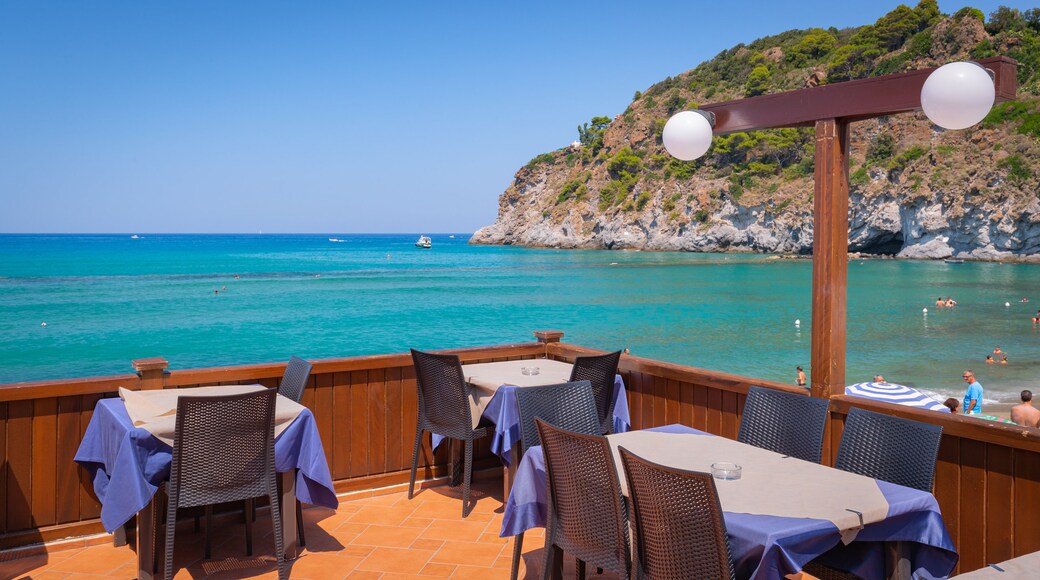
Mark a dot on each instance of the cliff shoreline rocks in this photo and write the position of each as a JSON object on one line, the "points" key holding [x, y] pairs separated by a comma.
{"points": [[916, 190]]}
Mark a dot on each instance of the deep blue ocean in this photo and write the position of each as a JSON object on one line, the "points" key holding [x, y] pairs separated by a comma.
{"points": [[209, 300]]}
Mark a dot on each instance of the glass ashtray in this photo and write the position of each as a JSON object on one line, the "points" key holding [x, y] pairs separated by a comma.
{"points": [[727, 471], [529, 370]]}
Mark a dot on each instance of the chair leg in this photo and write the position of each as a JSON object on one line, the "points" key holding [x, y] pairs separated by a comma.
{"points": [[468, 467], [299, 523], [518, 548], [549, 565], [415, 460], [209, 530], [171, 526], [276, 522], [249, 527]]}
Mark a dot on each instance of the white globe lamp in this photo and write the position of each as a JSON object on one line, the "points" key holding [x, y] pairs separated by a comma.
{"points": [[958, 95], [687, 135]]}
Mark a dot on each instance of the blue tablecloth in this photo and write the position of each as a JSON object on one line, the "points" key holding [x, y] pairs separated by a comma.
{"points": [[766, 547], [127, 464], [503, 412]]}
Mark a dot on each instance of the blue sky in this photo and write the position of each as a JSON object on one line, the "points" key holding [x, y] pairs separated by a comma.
{"points": [[328, 116]]}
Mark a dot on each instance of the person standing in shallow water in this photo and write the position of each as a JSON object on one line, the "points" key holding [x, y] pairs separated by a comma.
{"points": [[800, 381], [972, 398]]}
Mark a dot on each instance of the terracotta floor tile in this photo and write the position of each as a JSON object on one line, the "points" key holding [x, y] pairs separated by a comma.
{"points": [[45, 575], [334, 541], [506, 560], [359, 551], [493, 539], [444, 570], [467, 553], [426, 544], [387, 536], [480, 573], [364, 575], [95, 560], [323, 566], [465, 531], [380, 515], [413, 522], [403, 561], [370, 537]]}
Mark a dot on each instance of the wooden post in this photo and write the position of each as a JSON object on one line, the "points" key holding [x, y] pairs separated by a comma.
{"points": [[547, 336], [152, 372], [830, 257]]}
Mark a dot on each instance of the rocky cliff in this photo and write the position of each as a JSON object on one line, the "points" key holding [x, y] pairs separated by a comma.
{"points": [[917, 190]]}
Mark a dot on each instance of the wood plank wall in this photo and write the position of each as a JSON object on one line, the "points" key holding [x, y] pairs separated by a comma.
{"points": [[365, 409], [987, 475]]}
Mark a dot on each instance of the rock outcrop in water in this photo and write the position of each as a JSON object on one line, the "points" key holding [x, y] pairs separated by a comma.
{"points": [[917, 191]]}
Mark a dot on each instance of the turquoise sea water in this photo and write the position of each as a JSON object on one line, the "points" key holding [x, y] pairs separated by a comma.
{"points": [[107, 299]]}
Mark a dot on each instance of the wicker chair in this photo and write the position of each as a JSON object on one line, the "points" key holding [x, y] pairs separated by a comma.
{"points": [[223, 451], [679, 529], [295, 379], [784, 422], [444, 409], [568, 406], [889, 448], [600, 371], [587, 515]]}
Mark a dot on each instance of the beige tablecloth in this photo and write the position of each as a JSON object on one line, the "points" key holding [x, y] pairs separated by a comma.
{"points": [[491, 376], [770, 484], [1027, 566], [488, 377], [156, 411]]}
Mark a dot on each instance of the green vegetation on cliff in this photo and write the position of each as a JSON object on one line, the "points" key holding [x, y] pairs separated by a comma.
{"points": [[619, 165]]}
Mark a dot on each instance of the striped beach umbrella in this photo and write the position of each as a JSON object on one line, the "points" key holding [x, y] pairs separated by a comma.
{"points": [[898, 394]]}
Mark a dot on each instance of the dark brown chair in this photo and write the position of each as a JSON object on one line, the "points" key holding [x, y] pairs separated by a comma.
{"points": [[679, 529], [444, 409], [223, 451], [600, 371], [295, 379], [787, 423], [888, 448], [568, 406], [587, 516]]}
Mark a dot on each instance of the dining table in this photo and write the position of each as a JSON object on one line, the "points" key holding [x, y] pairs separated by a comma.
{"points": [[492, 387], [128, 449], [782, 512]]}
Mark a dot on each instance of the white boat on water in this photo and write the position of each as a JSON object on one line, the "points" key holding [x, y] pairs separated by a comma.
{"points": [[424, 242], [135, 237], [336, 240]]}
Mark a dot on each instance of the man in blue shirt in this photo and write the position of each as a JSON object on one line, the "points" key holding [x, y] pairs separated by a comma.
{"points": [[973, 398]]}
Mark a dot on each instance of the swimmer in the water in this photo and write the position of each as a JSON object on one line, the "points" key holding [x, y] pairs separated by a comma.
{"points": [[989, 359]]}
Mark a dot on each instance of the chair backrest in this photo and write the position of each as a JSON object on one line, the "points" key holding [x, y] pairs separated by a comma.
{"points": [[599, 370], [679, 528], [889, 448], [567, 406], [784, 422], [443, 400], [585, 498], [295, 379], [223, 448]]}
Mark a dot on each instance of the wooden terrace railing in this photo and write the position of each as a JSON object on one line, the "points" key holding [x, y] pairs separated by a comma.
{"points": [[987, 475]]}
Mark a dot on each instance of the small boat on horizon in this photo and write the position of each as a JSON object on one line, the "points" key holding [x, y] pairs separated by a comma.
{"points": [[135, 237], [953, 261], [424, 242], [336, 240], [452, 236]]}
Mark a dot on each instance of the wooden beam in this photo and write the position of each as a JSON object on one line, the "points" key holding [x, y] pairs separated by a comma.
{"points": [[851, 101], [830, 257]]}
